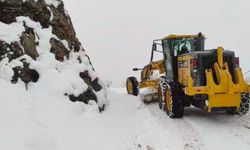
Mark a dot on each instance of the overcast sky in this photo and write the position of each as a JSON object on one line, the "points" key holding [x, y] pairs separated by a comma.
{"points": [[117, 34]]}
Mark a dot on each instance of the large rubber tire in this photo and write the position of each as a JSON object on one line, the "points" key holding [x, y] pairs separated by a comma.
{"points": [[161, 92], [244, 104], [174, 104], [132, 86]]}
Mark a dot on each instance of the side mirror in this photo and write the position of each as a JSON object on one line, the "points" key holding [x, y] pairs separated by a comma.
{"points": [[136, 69]]}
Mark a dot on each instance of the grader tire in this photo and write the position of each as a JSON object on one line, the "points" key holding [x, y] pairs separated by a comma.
{"points": [[244, 105], [161, 92], [174, 104], [132, 86]]}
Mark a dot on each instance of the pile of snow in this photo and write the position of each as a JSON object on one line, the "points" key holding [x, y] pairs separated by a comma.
{"points": [[39, 119], [155, 75]]}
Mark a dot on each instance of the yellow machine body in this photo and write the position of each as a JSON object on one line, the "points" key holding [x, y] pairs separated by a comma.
{"points": [[147, 73], [226, 93]]}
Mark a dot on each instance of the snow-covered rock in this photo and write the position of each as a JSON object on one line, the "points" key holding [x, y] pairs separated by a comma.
{"points": [[39, 47]]}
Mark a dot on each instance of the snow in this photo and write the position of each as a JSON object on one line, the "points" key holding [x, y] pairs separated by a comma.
{"points": [[35, 120], [147, 91], [51, 14], [43, 118], [65, 75], [155, 75], [247, 76], [55, 3], [8, 32]]}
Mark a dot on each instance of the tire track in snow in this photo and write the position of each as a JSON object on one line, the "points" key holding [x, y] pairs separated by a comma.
{"points": [[190, 136], [237, 121], [245, 119], [240, 123], [240, 135], [236, 125], [190, 131]]}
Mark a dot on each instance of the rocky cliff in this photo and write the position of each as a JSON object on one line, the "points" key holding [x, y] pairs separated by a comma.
{"points": [[38, 44]]}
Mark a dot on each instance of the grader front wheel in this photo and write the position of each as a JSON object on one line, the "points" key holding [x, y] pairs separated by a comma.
{"points": [[132, 86], [161, 92]]}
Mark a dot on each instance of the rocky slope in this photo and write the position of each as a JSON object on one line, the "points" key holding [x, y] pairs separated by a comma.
{"points": [[36, 38]]}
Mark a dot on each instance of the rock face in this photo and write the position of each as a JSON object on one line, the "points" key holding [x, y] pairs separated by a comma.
{"points": [[37, 19]]}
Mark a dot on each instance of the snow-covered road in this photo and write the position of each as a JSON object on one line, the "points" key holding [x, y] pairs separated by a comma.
{"points": [[36, 120], [196, 130]]}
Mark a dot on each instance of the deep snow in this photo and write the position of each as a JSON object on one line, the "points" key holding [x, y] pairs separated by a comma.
{"points": [[42, 118], [35, 120]]}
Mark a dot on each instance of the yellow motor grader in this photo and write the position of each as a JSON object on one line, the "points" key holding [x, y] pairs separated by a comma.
{"points": [[189, 75]]}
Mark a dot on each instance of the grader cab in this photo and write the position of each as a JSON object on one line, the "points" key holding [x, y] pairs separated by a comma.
{"points": [[187, 75]]}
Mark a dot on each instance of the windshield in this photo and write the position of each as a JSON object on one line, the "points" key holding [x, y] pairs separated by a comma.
{"points": [[182, 46]]}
